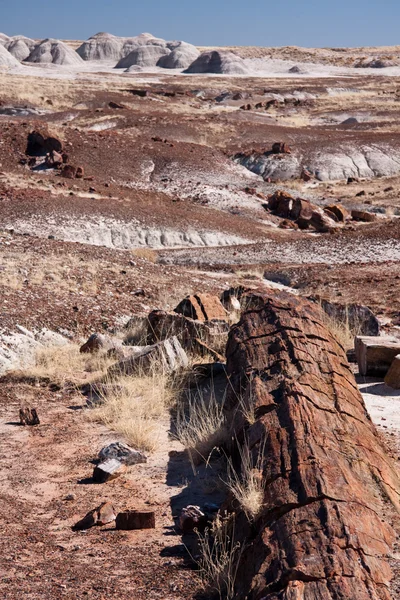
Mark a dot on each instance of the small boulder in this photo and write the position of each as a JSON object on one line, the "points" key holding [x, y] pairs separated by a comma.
{"points": [[69, 172], [280, 148], [339, 211], [375, 354], [122, 453], [108, 470], [28, 416], [102, 515], [96, 342], [191, 518], [363, 215], [135, 519], [79, 172], [392, 378], [202, 307]]}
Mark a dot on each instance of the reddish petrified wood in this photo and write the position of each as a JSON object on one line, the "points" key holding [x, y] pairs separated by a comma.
{"points": [[136, 519], [320, 534]]}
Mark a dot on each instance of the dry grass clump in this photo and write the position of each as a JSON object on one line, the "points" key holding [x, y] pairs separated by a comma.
{"points": [[65, 363], [247, 485], [219, 556], [200, 426], [341, 329], [146, 253], [133, 406]]}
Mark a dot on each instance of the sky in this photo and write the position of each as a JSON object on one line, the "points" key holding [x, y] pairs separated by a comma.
{"points": [[310, 23]]}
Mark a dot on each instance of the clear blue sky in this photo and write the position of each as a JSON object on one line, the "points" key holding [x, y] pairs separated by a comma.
{"points": [[310, 23]]}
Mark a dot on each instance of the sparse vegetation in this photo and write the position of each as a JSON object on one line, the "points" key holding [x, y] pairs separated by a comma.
{"points": [[146, 253], [133, 406], [65, 363], [247, 485], [200, 426], [219, 557]]}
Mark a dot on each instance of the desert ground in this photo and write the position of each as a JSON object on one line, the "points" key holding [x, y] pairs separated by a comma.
{"points": [[156, 185]]}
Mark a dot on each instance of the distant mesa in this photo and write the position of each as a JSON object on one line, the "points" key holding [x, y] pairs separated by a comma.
{"points": [[6, 59], [20, 46], [181, 56], [143, 56], [54, 52], [223, 63]]}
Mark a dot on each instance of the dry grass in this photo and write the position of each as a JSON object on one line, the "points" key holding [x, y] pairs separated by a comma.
{"points": [[219, 557], [134, 406], [247, 485], [341, 329], [146, 253], [65, 363], [200, 426]]}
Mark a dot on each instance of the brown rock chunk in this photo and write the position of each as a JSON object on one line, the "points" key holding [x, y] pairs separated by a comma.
{"points": [[339, 211], [108, 470], [96, 342], [162, 325], [363, 215], [280, 148], [54, 159], [135, 519], [375, 354], [69, 172], [40, 142], [324, 468], [102, 515], [79, 172], [392, 378], [28, 416], [191, 518], [202, 307]]}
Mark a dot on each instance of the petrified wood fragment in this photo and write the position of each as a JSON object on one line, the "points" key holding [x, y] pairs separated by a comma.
{"points": [[320, 533]]}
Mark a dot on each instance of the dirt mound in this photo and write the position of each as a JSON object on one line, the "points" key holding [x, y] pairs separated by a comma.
{"points": [[181, 56], [20, 46], [324, 469], [102, 46], [223, 63], [6, 59], [143, 56], [54, 52]]}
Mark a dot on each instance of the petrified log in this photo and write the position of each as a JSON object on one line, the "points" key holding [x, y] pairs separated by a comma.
{"points": [[135, 519], [167, 356], [202, 307], [375, 354], [320, 533]]}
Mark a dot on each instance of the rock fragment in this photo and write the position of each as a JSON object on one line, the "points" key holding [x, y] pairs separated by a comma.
{"points": [[28, 416], [108, 470], [135, 519], [102, 515], [191, 518], [166, 356], [392, 378], [123, 453], [374, 354]]}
